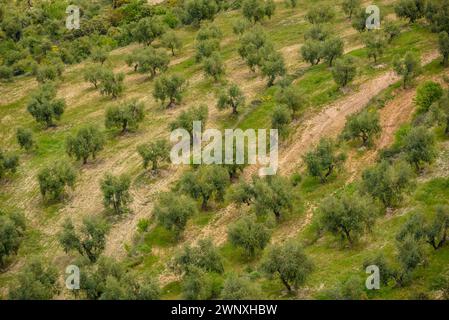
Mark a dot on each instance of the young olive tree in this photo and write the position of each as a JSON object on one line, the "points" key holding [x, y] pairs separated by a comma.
{"points": [[54, 179], [44, 107], [116, 195], [231, 98], [87, 142], [154, 152], [169, 87], [125, 116], [288, 262]]}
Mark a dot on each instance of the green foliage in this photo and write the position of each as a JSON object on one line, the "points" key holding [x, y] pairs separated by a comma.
{"points": [[344, 71], [419, 147], [348, 215], [107, 280], [272, 65], [44, 107], [350, 289], [249, 235], [254, 45], [320, 14], [408, 67], [125, 116], [199, 10], [54, 179], [443, 47], [332, 49], [94, 75], [317, 32], [8, 163], [432, 231], [48, 72], [281, 118], [392, 30], [323, 160], [238, 288], [375, 44], [99, 54], [290, 97], [111, 84], [169, 87], [171, 41], [204, 256], [186, 118], [154, 152], [364, 125], [437, 12], [25, 138], [149, 60], [173, 210], [273, 194], [387, 182], [209, 181], [426, 94], [240, 26], [116, 195], [89, 242], [12, 228], [349, 7], [148, 29], [88, 141], [312, 51], [410, 9], [256, 10], [288, 262], [36, 282], [233, 97], [359, 19], [213, 66]]}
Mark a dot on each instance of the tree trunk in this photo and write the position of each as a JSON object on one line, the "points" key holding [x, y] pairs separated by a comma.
{"points": [[289, 288]]}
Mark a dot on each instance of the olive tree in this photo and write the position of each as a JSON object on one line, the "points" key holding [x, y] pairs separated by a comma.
{"points": [[348, 215], [213, 66], [388, 182], [55, 178], [281, 118], [37, 281], [87, 142], [186, 118], [375, 44], [199, 10], [204, 255], [323, 160], [90, 241], [111, 84], [209, 181], [12, 228], [419, 147], [238, 288], [149, 60], [288, 262], [171, 41], [249, 235], [407, 67], [8, 163], [349, 6], [44, 107], [364, 125], [290, 97], [25, 138], [344, 71], [443, 47], [148, 29], [173, 210], [169, 87], [154, 152], [116, 195], [410, 9], [232, 98], [320, 14], [427, 94], [125, 116], [312, 51], [272, 65], [99, 54], [332, 48], [93, 74]]}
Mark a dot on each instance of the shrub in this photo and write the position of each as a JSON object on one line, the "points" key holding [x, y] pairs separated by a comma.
{"points": [[54, 179], [25, 138]]}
